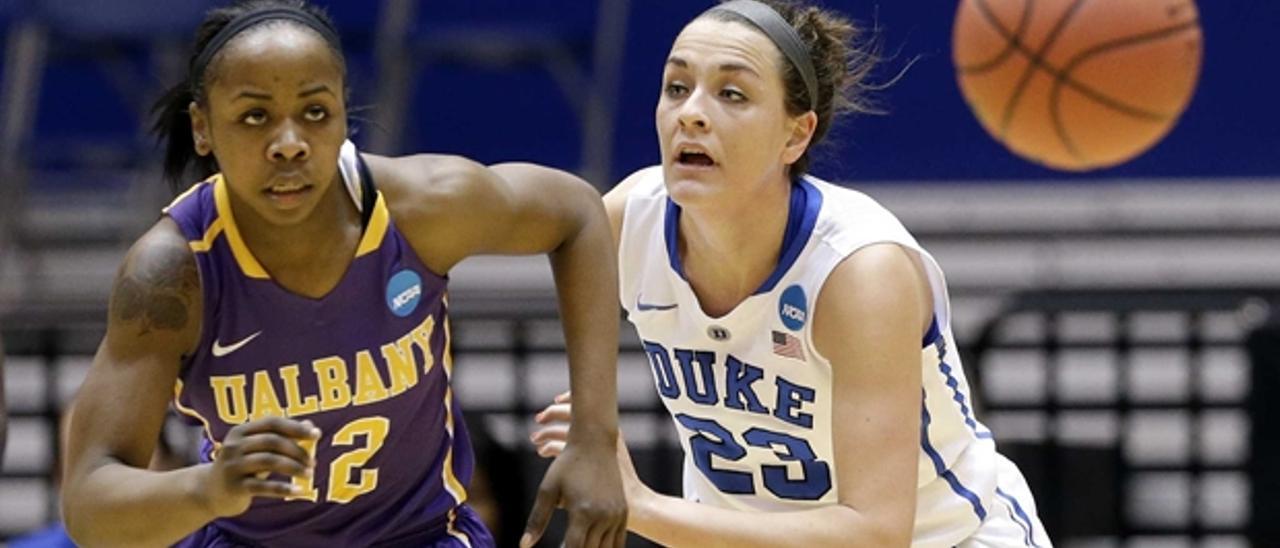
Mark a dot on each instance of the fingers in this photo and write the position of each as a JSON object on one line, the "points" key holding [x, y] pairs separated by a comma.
{"points": [[255, 450], [274, 489], [576, 536], [550, 441], [551, 438], [564, 397], [613, 537], [593, 525], [300, 430], [556, 412], [272, 443], [550, 449], [619, 536], [552, 432], [548, 497], [555, 431], [599, 530], [255, 464]]}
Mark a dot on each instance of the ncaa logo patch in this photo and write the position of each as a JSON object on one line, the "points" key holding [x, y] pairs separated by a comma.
{"points": [[793, 308], [404, 292]]}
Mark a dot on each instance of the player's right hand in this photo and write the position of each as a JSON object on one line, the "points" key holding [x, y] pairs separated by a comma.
{"points": [[249, 454]]}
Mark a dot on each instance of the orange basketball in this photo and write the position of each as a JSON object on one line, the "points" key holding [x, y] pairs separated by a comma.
{"points": [[1077, 84]]}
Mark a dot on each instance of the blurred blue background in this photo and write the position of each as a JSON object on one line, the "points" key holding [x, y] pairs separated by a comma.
{"points": [[573, 83], [1231, 128]]}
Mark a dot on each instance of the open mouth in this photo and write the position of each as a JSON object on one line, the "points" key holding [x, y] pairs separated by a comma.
{"points": [[694, 157], [288, 195], [288, 189]]}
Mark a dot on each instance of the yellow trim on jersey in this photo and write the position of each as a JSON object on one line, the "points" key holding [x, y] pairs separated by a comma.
{"points": [[248, 263], [208, 431], [454, 532], [183, 196], [210, 234], [448, 341], [376, 230], [451, 483]]}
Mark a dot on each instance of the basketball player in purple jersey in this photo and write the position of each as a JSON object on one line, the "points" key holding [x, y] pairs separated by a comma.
{"points": [[294, 304]]}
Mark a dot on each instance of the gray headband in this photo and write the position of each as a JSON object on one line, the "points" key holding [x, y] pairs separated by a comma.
{"points": [[782, 34]]}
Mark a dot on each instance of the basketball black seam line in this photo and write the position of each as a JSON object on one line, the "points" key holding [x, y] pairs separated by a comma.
{"points": [[1060, 127], [1093, 93], [1011, 42], [1063, 79], [1038, 63], [1078, 86]]}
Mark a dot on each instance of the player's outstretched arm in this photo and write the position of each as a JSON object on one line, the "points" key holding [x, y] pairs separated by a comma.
{"points": [[109, 498], [457, 208], [869, 319]]}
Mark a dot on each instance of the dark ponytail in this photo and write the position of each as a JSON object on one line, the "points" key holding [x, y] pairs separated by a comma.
{"points": [[172, 119], [172, 127]]}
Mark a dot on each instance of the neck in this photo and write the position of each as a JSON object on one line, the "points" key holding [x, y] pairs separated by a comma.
{"points": [[728, 252], [308, 257]]}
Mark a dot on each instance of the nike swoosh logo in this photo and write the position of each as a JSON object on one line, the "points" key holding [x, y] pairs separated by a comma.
{"points": [[645, 307], [220, 351]]}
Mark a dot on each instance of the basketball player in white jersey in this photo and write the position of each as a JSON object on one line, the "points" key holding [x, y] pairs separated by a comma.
{"points": [[797, 333]]}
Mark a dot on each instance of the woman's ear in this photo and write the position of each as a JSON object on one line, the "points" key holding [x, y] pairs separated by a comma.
{"points": [[200, 130], [802, 129]]}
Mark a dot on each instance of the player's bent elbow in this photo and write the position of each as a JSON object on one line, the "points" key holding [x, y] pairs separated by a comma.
{"points": [[74, 519], [862, 528], [888, 533], [78, 508], [891, 537]]}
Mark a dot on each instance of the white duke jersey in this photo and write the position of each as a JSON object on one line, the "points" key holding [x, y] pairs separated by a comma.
{"points": [[751, 397]]}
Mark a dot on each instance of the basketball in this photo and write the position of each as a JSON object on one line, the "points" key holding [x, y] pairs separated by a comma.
{"points": [[1076, 85]]}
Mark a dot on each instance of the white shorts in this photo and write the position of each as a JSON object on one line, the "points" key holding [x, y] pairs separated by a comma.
{"points": [[1013, 521]]}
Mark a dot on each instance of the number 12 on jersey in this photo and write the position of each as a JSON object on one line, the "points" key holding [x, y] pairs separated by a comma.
{"points": [[713, 439], [341, 489]]}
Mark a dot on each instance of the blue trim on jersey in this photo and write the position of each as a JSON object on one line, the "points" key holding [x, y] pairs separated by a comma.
{"points": [[671, 230], [958, 396], [940, 467], [1025, 524], [806, 202], [933, 334], [802, 216]]}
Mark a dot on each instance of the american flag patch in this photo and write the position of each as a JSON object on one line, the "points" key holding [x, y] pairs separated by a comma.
{"points": [[787, 346]]}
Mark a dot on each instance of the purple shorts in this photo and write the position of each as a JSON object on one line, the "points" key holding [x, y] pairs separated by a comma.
{"points": [[467, 531]]}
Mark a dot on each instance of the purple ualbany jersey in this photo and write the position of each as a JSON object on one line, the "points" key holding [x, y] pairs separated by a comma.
{"points": [[368, 364]]}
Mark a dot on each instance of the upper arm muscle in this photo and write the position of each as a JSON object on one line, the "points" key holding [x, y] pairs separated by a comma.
{"points": [[452, 208], [867, 323], [154, 320]]}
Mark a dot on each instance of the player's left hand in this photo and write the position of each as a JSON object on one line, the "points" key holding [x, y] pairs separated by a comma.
{"points": [[584, 480], [553, 433]]}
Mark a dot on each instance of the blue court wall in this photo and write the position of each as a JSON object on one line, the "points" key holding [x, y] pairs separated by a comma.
{"points": [[1231, 129]]}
